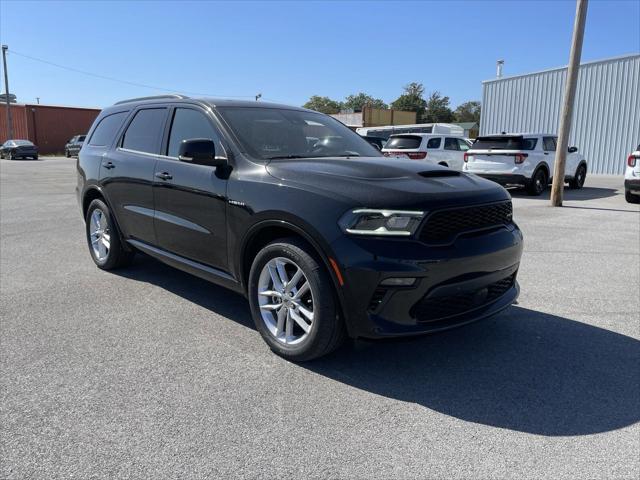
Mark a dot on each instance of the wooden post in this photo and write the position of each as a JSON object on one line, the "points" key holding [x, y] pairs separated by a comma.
{"points": [[557, 188]]}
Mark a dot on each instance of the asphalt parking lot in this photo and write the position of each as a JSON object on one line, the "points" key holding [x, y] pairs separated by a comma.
{"points": [[152, 373]]}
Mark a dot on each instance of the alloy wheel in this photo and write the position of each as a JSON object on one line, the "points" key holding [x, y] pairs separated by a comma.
{"points": [[286, 301], [100, 235]]}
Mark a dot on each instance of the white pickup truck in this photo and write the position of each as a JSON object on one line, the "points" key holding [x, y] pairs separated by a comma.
{"points": [[632, 177], [524, 160]]}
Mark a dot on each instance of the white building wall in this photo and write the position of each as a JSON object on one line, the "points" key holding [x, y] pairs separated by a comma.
{"points": [[606, 117]]}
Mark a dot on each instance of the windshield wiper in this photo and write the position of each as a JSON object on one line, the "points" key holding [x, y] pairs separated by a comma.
{"points": [[277, 157]]}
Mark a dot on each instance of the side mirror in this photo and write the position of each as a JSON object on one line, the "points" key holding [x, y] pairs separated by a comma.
{"points": [[200, 151], [573, 149]]}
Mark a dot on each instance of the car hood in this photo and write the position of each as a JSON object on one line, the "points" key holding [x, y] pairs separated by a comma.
{"points": [[387, 183]]}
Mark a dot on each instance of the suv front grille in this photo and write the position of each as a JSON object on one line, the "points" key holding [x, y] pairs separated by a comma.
{"points": [[432, 309], [444, 226]]}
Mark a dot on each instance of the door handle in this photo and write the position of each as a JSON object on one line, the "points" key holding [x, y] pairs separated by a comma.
{"points": [[108, 165], [164, 175]]}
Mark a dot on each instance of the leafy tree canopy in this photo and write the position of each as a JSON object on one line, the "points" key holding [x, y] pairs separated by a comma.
{"points": [[411, 100], [437, 109], [468, 112], [323, 104], [360, 100]]}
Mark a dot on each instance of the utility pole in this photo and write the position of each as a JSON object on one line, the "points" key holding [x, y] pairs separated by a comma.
{"points": [[38, 100], [557, 189], [258, 97], [6, 91]]}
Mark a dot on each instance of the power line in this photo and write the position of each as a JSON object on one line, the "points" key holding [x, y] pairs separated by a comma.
{"points": [[127, 82]]}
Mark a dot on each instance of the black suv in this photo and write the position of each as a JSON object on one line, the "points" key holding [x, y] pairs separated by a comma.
{"points": [[74, 145], [324, 235]]}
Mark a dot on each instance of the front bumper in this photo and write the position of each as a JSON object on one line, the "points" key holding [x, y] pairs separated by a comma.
{"points": [[471, 279]]}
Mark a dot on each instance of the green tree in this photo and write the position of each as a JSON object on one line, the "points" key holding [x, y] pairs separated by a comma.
{"points": [[323, 104], [359, 100], [468, 112], [412, 100], [437, 109]]}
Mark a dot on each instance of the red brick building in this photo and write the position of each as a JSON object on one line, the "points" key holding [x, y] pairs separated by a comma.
{"points": [[48, 126]]}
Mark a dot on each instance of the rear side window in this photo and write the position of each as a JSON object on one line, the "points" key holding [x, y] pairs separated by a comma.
{"points": [[106, 130], [143, 133], [81, 138], [549, 144], [188, 124], [404, 142], [434, 142], [451, 144], [464, 146], [529, 143]]}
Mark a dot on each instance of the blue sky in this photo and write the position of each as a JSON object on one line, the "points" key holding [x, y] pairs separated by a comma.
{"points": [[289, 51]]}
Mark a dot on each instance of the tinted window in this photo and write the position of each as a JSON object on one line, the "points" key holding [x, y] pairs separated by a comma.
{"points": [[143, 133], [504, 143], [106, 130], [451, 144], [404, 142], [24, 143], [81, 138], [434, 142], [549, 144], [188, 124]]}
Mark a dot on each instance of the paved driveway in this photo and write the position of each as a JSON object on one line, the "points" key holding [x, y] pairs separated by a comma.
{"points": [[152, 373]]}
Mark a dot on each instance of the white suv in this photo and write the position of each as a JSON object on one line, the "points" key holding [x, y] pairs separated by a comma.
{"points": [[524, 160], [445, 150], [632, 177]]}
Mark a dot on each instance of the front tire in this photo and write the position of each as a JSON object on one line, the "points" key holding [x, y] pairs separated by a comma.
{"points": [[538, 183], [293, 303], [577, 181], [103, 238]]}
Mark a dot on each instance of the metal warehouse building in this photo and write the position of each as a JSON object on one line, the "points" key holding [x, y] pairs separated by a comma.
{"points": [[48, 126], [606, 117]]}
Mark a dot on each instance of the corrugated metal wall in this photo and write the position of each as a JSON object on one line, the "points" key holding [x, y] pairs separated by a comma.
{"points": [[48, 126], [606, 117], [18, 120]]}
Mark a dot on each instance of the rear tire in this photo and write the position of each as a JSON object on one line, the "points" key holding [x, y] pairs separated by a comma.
{"points": [[577, 181], [283, 316], [103, 238], [10, 156], [630, 197], [538, 182], [66, 153]]}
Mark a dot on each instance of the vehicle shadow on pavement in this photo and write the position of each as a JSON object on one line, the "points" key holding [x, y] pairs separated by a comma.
{"points": [[522, 370], [201, 292], [585, 193]]}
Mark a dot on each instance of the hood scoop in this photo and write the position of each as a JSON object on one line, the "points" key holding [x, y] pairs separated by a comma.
{"points": [[439, 173]]}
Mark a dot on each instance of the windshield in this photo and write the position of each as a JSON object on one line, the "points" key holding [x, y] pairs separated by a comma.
{"points": [[504, 143], [25, 143], [273, 133]]}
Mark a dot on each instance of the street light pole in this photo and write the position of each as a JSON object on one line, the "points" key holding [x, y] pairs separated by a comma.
{"points": [[6, 91], [557, 188]]}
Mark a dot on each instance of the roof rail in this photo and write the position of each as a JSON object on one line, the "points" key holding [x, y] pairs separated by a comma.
{"points": [[154, 97]]}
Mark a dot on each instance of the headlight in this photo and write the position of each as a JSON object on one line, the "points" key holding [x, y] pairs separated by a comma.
{"points": [[363, 221]]}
